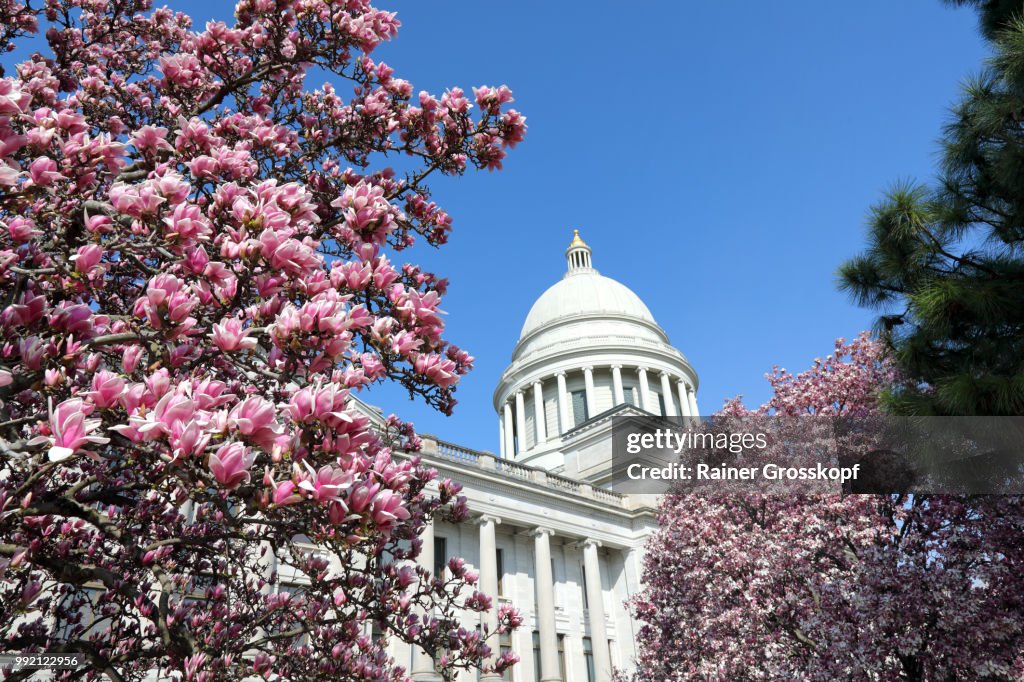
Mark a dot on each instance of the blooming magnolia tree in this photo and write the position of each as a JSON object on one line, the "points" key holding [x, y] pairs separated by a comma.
{"points": [[195, 284], [856, 587]]}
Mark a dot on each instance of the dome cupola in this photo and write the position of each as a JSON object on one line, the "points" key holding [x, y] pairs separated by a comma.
{"points": [[578, 254]]}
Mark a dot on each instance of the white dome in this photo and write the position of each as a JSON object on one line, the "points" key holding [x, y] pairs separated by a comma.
{"points": [[587, 314], [581, 294], [589, 345]]}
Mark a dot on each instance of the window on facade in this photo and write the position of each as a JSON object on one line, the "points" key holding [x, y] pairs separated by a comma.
{"points": [[531, 428], [83, 606], [579, 407], [478, 673], [586, 603], [505, 646], [536, 655], [561, 656], [661, 405], [296, 591], [501, 571], [375, 631], [440, 557], [630, 396], [588, 659]]}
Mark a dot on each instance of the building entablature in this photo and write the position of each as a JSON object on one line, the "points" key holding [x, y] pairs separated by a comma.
{"points": [[615, 353], [532, 496]]}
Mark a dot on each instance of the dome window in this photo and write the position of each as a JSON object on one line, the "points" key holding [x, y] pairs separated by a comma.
{"points": [[579, 408]]}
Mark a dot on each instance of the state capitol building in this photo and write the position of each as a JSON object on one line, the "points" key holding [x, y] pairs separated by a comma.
{"points": [[548, 535]]}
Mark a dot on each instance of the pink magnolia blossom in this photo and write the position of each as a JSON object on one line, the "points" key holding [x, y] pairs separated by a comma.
{"points": [[107, 388], [255, 419], [229, 336], [368, 214], [43, 171], [188, 438], [186, 223], [87, 258], [230, 464], [326, 483], [171, 409], [440, 370], [21, 230], [130, 359], [387, 508], [70, 430], [150, 138]]}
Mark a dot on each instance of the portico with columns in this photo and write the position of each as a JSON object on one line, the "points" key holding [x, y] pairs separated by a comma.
{"points": [[567, 554]]}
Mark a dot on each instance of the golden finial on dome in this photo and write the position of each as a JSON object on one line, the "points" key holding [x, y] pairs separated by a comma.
{"points": [[576, 241]]}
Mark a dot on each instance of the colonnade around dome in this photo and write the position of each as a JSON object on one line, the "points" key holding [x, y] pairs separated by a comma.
{"points": [[550, 406]]}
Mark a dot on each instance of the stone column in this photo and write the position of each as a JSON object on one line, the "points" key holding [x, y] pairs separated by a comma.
{"points": [[538, 413], [645, 398], [617, 393], [510, 439], [595, 608], [684, 403], [501, 435], [521, 421], [666, 391], [564, 421], [588, 380], [489, 586], [549, 668], [692, 395], [423, 669]]}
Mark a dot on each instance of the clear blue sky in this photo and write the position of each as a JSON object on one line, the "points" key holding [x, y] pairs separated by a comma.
{"points": [[719, 157]]}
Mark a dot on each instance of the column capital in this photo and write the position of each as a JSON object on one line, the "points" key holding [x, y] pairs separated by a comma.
{"points": [[641, 368], [689, 388], [665, 373], [487, 518], [560, 373], [540, 530], [518, 393], [588, 368], [538, 382], [616, 366], [586, 542]]}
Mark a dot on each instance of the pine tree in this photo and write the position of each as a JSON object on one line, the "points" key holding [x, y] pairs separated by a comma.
{"points": [[945, 263]]}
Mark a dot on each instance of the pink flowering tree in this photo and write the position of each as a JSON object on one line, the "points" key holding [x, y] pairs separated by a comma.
{"points": [[196, 283], [856, 587]]}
